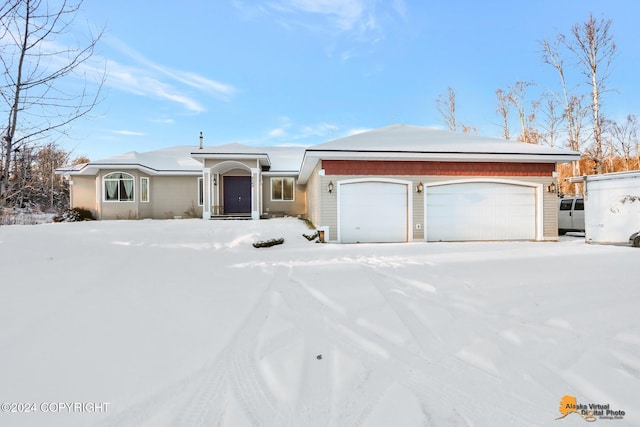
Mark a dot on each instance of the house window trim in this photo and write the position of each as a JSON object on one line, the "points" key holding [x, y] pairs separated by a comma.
{"points": [[283, 178], [104, 189], [142, 199], [200, 191]]}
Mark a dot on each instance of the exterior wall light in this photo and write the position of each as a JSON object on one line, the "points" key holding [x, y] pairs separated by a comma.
{"points": [[215, 182], [551, 188], [420, 187], [330, 187]]}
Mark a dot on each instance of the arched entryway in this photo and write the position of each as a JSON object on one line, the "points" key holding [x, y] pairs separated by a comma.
{"points": [[233, 192]]}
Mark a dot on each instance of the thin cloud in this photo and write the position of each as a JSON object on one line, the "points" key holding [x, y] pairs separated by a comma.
{"points": [[400, 8], [164, 121], [346, 14], [277, 132], [139, 82], [359, 20], [290, 131], [281, 130], [147, 78], [315, 131], [321, 130], [128, 133]]}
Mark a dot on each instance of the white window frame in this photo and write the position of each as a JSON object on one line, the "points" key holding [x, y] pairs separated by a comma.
{"points": [[200, 191], [283, 178], [105, 179], [144, 179]]}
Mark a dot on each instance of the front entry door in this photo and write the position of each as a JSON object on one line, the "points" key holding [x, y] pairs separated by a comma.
{"points": [[237, 194]]}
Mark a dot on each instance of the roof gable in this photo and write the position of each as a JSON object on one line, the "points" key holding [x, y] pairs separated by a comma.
{"points": [[281, 158]]}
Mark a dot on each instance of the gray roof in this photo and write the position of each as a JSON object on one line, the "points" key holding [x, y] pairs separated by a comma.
{"points": [[174, 160], [282, 158], [396, 142], [409, 143], [416, 139]]}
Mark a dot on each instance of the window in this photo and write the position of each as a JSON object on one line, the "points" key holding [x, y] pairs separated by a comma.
{"points": [[200, 192], [579, 205], [144, 189], [565, 205], [118, 187], [282, 188]]}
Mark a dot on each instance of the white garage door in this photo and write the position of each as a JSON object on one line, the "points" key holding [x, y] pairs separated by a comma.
{"points": [[373, 212], [480, 211]]}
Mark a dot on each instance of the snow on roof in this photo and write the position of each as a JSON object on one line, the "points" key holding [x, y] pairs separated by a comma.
{"points": [[407, 143], [418, 139], [166, 159], [282, 158], [396, 141], [181, 159]]}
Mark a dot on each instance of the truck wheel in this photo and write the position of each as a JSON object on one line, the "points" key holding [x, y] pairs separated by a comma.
{"points": [[561, 232], [636, 242]]}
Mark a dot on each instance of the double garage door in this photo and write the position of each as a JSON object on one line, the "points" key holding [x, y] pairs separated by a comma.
{"points": [[379, 212], [480, 211]]}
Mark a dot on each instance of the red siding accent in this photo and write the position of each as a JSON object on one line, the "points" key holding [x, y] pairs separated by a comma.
{"points": [[389, 167]]}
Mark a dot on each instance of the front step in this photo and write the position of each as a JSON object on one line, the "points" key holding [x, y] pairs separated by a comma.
{"points": [[231, 217]]}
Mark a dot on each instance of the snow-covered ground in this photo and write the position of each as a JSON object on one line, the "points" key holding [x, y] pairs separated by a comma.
{"points": [[168, 323]]}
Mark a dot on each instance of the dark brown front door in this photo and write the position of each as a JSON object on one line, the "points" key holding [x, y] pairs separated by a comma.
{"points": [[237, 194]]}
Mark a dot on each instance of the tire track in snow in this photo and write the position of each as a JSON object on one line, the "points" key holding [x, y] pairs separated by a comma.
{"points": [[206, 404], [313, 406], [421, 382], [253, 394], [147, 411], [341, 329], [200, 398]]}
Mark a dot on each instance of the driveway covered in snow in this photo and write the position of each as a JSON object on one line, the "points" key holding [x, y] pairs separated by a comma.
{"points": [[186, 323]]}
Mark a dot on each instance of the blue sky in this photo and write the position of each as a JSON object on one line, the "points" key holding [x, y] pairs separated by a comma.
{"points": [[302, 72]]}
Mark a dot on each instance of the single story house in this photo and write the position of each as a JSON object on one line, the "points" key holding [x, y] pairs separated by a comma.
{"points": [[398, 183]]}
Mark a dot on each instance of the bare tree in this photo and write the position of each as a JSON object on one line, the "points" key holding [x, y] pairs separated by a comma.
{"points": [[516, 97], [446, 105], [595, 50], [503, 109], [40, 69], [468, 129], [574, 111], [625, 138], [552, 119], [50, 190]]}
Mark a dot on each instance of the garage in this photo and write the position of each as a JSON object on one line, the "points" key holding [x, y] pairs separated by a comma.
{"points": [[373, 211], [480, 211]]}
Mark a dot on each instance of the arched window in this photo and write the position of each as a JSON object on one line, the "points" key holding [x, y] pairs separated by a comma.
{"points": [[118, 187]]}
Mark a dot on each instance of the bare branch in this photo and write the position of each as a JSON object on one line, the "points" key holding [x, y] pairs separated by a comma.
{"points": [[446, 105], [39, 67]]}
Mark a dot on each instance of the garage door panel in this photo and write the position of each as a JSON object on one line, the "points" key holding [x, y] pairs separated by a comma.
{"points": [[480, 211], [373, 212]]}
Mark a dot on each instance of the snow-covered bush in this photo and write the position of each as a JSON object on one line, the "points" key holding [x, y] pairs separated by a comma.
{"points": [[12, 216], [74, 215]]}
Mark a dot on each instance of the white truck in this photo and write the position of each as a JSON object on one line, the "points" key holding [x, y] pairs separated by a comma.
{"points": [[611, 207], [570, 214]]}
